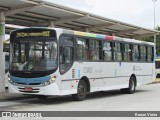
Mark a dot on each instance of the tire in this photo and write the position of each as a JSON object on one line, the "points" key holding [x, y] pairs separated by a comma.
{"points": [[132, 86], [42, 97], [158, 76], [81, 91]]}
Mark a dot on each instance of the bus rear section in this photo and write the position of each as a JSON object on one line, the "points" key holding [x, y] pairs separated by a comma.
{"points": [[157, 67]]}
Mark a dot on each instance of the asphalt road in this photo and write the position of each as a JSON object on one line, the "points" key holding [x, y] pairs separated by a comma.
{"points": [[146, 98]]}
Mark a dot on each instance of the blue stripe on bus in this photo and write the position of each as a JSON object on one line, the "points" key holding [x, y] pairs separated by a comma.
{"points": [[101, 36], [30, 80], [79, 74]]}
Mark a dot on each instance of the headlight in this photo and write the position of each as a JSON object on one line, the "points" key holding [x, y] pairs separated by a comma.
{"points": [[9, 79], [43, 84], [52, 80]]}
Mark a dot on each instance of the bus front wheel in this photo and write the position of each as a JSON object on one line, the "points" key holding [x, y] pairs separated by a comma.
{"points": [[81, 91], [132, 86], [42, 97]]}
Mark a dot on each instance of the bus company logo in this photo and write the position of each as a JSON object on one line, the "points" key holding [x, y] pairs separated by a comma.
{"points": [[88, 70]]}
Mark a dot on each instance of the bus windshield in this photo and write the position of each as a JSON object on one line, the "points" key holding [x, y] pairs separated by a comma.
{"points": [[157, 63], [6, 62], [34, 55]]}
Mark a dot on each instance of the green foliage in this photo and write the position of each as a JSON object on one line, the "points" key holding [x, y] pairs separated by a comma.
{"points": [[151, 39]]}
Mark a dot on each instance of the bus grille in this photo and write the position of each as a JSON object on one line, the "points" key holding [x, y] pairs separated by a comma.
{"points": [[34, 90], [28, 84]]}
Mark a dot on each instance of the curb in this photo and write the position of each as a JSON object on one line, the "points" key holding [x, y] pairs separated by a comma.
{"points": [[11, 97], [155, 82]]}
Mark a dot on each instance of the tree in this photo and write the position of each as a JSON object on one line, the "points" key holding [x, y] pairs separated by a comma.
{"points": [[151, 39]]}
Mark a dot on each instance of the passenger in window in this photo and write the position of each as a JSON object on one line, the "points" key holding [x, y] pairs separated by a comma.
{"points": [[91, 55]]}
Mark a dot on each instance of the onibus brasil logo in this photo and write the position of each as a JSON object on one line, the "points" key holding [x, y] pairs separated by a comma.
{"points": [[21, 114]]}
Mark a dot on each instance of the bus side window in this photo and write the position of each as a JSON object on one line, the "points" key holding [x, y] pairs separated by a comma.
{"points": [[82, 49], [150, 54], [118, 51], [107, 51], [143, 53], [130, 52], [95, 50], [66, 53], [135, 53], [127, 52]]}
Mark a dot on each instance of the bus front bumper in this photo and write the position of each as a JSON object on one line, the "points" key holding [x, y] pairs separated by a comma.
{"points": [[51, 89]]}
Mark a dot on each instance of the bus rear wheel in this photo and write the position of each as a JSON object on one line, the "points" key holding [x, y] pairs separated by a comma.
{"points": [[132, 86], [158, 76], [81, 91]]}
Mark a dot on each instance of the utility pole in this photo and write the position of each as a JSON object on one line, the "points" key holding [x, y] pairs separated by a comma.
{"points": [[2, 59], [154, 1]]}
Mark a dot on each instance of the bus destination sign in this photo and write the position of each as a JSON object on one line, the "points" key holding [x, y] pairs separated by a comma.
{"points": [[33, 34]]}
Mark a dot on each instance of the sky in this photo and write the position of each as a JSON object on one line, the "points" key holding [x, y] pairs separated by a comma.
{"points": [[135, 12]]}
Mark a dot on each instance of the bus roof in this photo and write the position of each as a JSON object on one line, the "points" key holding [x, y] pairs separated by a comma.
{"points": [[107, 37], [94, 35]]}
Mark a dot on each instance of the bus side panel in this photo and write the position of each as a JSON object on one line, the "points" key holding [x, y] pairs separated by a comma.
{"points": [[92, 71], [142, 71], [109, 73], [70, 80], [149, 72], [66, 81], [126, 72]]}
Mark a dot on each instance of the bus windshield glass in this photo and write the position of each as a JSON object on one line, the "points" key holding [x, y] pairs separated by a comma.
{"points": [[34, 54], [6, 62], [157, 64]]}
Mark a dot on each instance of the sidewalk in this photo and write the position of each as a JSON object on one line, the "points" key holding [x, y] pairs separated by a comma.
{"points": [[11, 97], [157, 80]]}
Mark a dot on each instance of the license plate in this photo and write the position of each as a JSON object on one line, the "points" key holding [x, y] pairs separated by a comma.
{"points": [[28, 89]]}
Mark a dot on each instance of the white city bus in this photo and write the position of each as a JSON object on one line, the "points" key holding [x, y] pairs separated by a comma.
{"points": [[6, 68], [157, 67], [55, 61], [6, 50]]}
